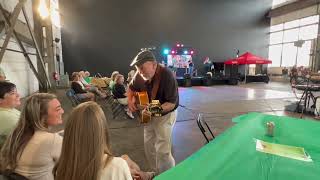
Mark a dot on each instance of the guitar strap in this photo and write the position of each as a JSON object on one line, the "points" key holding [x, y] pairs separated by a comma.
{"points": [[156, 82]]}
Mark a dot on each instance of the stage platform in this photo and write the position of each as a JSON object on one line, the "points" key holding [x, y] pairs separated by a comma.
{"points": [[256, 78], [206, 81]]}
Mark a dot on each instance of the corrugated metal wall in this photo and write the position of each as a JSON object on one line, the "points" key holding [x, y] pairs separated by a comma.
{"points": [[14, 64]]}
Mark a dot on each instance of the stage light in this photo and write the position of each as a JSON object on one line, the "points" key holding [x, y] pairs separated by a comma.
{"points": [[181, 45], [172, 52], [185, 52], [191, 52], [166, 51], [178, 45]]}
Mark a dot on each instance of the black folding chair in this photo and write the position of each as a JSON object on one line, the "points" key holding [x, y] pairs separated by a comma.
{"points": [[109, 97], [72, 97], [201, 122], [116, 107]]}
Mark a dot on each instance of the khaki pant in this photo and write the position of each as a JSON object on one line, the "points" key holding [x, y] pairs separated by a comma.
{"points": [[157, 142], [123, 101]]}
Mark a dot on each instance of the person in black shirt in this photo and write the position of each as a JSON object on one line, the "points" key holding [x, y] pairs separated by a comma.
{"points": [[119, 92], [160, 84]]}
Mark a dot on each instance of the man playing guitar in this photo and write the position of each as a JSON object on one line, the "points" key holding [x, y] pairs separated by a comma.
{"points": [[160, 84]]}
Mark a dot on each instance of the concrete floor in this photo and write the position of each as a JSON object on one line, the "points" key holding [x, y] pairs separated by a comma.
{"points": [[219, 104]]}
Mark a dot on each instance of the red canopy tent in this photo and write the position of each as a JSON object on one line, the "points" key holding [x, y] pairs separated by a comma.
{"points": [[247, 58]]}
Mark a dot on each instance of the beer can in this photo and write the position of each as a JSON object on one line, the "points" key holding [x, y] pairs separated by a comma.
{"points": [[270, 126]]}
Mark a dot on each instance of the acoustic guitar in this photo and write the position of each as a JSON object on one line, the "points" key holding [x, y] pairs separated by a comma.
{"points": [[147, 109]]}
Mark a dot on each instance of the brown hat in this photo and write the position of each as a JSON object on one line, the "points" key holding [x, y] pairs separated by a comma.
{"points": [[143, 57]]}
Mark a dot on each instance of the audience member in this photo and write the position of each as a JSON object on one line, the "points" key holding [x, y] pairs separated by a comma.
{"points": [[9, 116], [90, 87], [87, 77], [31, 150], [113, 76], [82, 80], [119, 92], [130, 75], [86, 151], [79, 89]]}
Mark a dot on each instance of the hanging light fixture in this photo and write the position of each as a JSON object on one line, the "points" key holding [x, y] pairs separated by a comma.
{"points": [[43, 9]]}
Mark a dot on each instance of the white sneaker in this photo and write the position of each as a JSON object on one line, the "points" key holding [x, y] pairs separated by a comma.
{"points": [[130, 114]]}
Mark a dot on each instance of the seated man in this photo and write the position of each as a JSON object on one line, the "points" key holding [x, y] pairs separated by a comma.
{"points": [[79, 89], [9, 116], [119, 92]]}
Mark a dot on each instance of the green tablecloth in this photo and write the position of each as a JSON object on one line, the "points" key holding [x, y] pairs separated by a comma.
{"points": [[233, 155]]}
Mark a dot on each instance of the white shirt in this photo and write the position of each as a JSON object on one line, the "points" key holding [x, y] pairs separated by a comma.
{"points": [[116, 169], [39, 156]]}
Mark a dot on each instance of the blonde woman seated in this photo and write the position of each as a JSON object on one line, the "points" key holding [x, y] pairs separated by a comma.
{"points": [[86, 151], [31, 150], [113, 77], [79, 89], [119, 92]]}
